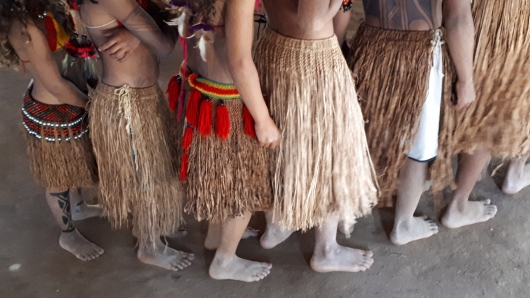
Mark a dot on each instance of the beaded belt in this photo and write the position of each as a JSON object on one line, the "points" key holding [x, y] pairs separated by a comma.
{"points": [[53, 122]]}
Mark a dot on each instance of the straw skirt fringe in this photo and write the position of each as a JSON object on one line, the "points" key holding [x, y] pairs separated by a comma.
{"points": [[392, 70], [500, 116], [322, 165], [227, 178], [58, 145], [135, 143]]}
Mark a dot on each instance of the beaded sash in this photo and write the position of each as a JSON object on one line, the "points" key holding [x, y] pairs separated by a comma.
{"points": [[53, 122]]}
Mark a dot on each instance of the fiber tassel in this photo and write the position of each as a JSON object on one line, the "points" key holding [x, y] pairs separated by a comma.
{"points": [[248, 122], [192, 111], [205, 118], [187, 138], [173, 91], [222, 121], [184, 166]]}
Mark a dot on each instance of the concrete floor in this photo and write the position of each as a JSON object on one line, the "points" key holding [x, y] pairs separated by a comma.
{"points": [[486, 260]]}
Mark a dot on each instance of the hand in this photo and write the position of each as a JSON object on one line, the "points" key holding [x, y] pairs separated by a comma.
{"points": [[121, 42], [465, 94], [268, 134]]}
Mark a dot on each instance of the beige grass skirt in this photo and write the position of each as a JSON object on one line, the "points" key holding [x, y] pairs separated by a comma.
{"points": [[135, 143], [58, 143], [322, 165]]}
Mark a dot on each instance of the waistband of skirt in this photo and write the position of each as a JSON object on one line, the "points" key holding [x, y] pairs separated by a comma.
{"points": [[404, 36], [137, 91], [213, 89], [325, 44]]}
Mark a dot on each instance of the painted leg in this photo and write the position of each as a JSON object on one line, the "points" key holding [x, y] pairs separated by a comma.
{"points": [[462, 212], [226, 265], [81, 210], [70, 240], [408, 228]]}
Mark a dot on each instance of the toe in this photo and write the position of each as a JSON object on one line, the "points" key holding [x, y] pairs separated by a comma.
{"points": [[368, 253], [487, 201], [190, 256]]}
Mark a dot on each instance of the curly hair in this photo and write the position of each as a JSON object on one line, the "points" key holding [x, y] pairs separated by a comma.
{"points": [[203, 8], [22, 11]]}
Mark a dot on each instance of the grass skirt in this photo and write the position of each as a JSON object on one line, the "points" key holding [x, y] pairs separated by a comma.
{"points": [[58, 145], [322, 165], [229, 175], [392, 71], [500, 117], [135, 143]]}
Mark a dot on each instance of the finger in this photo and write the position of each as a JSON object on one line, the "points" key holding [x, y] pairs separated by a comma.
{"points": [[119, 54], [111, 42], [125, 58], [113, 49]]}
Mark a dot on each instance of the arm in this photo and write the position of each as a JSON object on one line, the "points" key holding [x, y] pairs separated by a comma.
{"points": [[313, 15], [239, 26], [46, 70], [458, 21], [340, 25], [141, 25]]}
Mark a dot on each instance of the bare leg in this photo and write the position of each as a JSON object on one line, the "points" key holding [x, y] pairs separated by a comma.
{"points": [[461, 212], [213, 237], [484, 172], [161, 255], [329, 256], [80, 210], [274, 233], [70, 240], [408, 228], [518, 175], [342, 229], [226, 265]]}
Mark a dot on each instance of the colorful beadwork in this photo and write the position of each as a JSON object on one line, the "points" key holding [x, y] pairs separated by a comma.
{"points": [[213, 89]]}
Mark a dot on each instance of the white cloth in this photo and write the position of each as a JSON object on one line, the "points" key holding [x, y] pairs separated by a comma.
{"points": [[425, 146]]}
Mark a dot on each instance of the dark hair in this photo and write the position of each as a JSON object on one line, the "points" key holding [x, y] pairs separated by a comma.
{"points": [[202, 9], [22, 11]]}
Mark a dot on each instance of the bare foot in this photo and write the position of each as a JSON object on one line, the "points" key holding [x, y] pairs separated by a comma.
{"points": [[274, 235], [470, 213], [83, 211], [164, 256], [81, 248], [179, 233], [249, 232], [341, 258], [342, 229], [517, 178], [414, 229], [235, 268]]}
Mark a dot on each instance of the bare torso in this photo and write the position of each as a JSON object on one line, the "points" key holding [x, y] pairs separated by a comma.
{"points": [[282, 17], [140, 69], [216, 69], [415, 15]]}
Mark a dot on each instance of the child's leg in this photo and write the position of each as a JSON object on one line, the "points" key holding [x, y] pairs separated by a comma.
{"points": [[80, 210], [518, 176], [226, 265], [408, 228], [462, 212], [70, 240], [274, 233], [329, 256]]}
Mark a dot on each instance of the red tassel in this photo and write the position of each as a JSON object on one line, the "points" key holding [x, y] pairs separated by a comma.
{"points": [[205, 118], [187, 138], [248, 123], [184, 166], [192, 111], [51, 33], [173, 90], [222, 122]]}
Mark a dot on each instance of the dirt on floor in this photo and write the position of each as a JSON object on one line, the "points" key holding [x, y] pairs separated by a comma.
{"points": [[491, 259]]}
